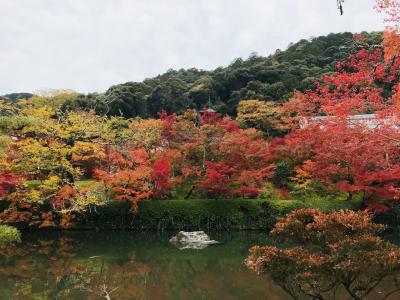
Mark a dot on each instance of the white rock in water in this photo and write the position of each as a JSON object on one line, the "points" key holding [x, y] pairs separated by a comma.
{"points": [[192, 240]]}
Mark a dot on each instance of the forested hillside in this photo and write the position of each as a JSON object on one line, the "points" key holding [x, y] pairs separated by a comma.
{"points": [[271, 78], [13, 97]]}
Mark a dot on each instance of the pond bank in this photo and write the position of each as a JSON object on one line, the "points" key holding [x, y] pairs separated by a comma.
{"points": [[175, 215]]}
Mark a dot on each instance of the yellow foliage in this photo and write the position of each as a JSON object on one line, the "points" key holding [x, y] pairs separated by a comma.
{"points": [[82, 125], [33, 196], [53, 102], [6, 108], [5, 141], [92, 195], [36, 157], [259, 114], [51, 184], [147, 131], [84, 151]]}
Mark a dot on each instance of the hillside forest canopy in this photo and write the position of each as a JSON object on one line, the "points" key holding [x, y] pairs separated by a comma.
{"points": [[271, 78]]}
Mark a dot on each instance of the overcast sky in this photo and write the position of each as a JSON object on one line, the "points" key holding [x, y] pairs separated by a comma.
{"points": [[89, 45]]}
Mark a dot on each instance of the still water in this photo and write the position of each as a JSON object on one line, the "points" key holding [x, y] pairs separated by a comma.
{"points": [[127, 265]]}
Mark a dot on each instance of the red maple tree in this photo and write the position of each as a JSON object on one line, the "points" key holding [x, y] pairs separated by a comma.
{"points": [[333, 145]]}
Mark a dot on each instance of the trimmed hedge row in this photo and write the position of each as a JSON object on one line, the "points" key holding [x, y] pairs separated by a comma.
{"points": [[160, 215]]}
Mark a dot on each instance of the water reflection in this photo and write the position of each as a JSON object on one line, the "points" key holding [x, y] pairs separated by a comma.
{"points": [[125, 265]]}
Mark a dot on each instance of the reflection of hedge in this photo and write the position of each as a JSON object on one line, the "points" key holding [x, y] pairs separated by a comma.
{"points": [[192, 214]]}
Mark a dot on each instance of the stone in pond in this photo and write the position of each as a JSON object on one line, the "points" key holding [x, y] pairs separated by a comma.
{"points": [[192, 240]]}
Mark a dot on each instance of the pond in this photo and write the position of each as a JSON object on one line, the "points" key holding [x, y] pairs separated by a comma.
{"points": [[130, 265]]}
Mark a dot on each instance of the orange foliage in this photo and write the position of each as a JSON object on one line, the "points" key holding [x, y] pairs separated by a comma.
{"points": [[391, 36], [128, 176], [391, 44], [328, 250]]}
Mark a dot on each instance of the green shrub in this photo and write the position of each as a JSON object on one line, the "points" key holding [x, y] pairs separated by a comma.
{"points": [[332, 202], [9, 235]]}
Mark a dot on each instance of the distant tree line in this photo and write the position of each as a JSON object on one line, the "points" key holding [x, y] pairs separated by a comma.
{"points": [[270, 79]]}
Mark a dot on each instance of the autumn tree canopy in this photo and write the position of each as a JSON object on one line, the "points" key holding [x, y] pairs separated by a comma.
{"points": [[292, 121]]}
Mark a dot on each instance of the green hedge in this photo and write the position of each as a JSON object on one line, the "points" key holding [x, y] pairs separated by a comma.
{"points": [[232, 214], [185, 215]]}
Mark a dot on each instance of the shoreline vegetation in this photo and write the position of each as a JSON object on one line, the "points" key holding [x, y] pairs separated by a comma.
{"points": [[200, 214]]}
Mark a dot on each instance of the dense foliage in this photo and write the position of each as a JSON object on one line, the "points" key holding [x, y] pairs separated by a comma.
{"points": [[340, 149], [56, 164]]}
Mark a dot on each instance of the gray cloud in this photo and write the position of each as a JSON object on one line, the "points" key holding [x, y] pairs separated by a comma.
{"points": [[88, 45]]}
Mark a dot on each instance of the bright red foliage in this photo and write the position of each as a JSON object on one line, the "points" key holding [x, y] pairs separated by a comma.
{"points": [[214, 155], [353, 156], [218, 179], [162, 172], [209, 117], [351, 90]]}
